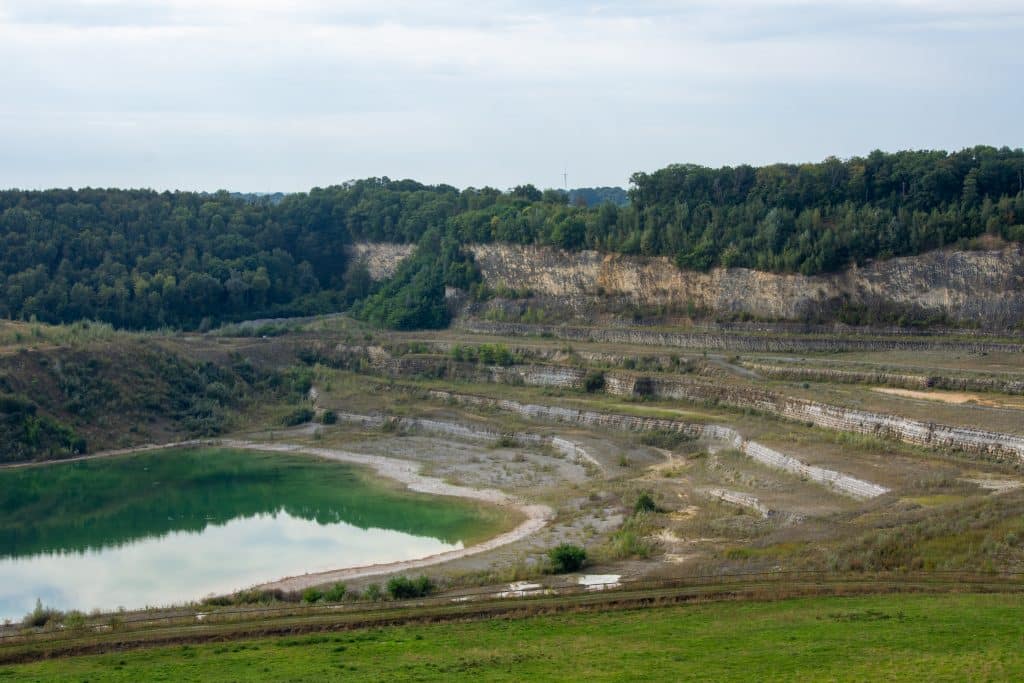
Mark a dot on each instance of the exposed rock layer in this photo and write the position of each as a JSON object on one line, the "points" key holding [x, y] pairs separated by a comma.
{"points": [[985, 287]]}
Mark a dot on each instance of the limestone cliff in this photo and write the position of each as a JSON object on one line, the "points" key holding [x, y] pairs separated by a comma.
{"points": [[986, 286], [381, 258]]}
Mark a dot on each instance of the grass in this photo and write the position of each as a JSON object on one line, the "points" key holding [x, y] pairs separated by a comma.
{"points": [[896, 638], [936, 499], [27, 335]]}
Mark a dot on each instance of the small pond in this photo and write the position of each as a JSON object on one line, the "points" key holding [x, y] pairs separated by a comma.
{"points": [[173, 526]]}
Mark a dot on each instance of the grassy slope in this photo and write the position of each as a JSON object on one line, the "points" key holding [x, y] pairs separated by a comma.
{"points": [[950, 637]]}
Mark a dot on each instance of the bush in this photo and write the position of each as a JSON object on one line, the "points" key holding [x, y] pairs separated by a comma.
{"points": [[627, 543], [298, 416], [645, 503], [664, 438], [312, 595], [403, 588], [632, 540], [329, 417], [506, 441], [567, 558], [41, 616], [373, 592], [594, 381], [335, 593]]}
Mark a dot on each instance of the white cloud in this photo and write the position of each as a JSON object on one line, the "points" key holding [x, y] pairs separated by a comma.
{"points": [[503, 85]]}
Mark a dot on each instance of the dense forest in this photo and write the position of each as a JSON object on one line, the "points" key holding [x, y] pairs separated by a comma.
{"points": [[144, 259]]}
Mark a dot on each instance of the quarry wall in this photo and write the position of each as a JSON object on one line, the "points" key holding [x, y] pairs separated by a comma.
{"points": [[967, 286], [995, 445]]}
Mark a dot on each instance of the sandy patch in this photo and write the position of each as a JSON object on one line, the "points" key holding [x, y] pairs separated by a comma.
{"points": [[684, 514], [599, 582], [997, 485], [679, 558], [954, 397], [666, 536]]}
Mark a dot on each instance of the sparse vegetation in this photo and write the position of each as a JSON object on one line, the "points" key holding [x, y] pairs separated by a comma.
{"points": [[632, 539], [663, 438], [41, 616]]}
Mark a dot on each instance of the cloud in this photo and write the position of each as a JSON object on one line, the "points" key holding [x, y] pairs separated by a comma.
{"points": [[493, 92]]}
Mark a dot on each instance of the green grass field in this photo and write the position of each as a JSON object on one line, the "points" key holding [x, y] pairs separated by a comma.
{"points": [[892, 637]]}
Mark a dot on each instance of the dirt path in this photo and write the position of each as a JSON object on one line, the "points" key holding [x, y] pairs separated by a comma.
{"points": [[954, 397]]}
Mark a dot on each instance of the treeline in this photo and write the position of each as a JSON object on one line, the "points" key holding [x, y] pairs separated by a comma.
{"points": [[813, 218], [142, 259], [807, 218]]}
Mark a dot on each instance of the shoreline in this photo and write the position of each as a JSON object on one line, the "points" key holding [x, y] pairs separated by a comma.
{"points": [[407, 472]]}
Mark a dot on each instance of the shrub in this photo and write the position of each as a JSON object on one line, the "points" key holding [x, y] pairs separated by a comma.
{"points": [[594, 381], [373, 592], [329, 417], [645, 503], [41, 616], [495, 354], [335, 593], [628, 543], [74, 620], [631, 540], [506, 441], [567, 558], [664, 438], [298, 416], [312, 595], [403, 588]]}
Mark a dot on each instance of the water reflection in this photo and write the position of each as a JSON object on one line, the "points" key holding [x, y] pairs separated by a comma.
{"points": [[173, 526], [186, 565]]}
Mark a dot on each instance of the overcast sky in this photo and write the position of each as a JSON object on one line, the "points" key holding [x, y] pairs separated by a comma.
{"points": [[266, 95]]}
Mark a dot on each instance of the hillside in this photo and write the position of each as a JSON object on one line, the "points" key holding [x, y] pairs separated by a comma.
{"points": [[144, 260], [67, 391]]}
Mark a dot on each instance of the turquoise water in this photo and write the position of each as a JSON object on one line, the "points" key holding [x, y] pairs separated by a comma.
{"points": [[174, 526]]}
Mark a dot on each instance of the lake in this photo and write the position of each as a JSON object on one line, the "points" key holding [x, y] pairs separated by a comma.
{"points": [[172, 526]]}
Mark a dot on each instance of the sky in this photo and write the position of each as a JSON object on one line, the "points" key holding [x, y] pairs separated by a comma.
{"points": [[269, 95]]}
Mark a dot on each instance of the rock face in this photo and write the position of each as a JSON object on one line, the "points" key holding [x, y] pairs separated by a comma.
{"points": [[381, 258], [967, 286], [986, 285]]}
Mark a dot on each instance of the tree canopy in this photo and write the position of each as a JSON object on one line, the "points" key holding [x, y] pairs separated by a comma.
{"points": [[144, 259]]}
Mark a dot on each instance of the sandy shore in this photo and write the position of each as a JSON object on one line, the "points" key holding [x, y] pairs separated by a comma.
{"points": [[403, 471]]}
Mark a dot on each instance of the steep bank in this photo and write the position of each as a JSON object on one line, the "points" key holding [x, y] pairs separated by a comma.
{"points": [[974, 287]]}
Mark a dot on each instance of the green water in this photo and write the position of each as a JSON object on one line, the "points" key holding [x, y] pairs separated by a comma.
{"points": [[171, 526]]}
